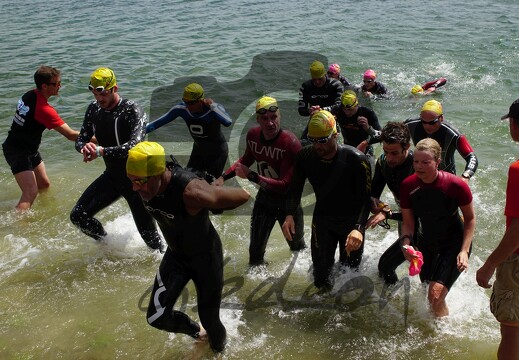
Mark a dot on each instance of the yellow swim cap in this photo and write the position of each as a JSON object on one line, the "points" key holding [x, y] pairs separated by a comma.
{"points": [[146, 159], [317, 70], [417, 89], [321, 124], [349, 99], [265, 103], [104, 77], [434, 106], [193, 92]]}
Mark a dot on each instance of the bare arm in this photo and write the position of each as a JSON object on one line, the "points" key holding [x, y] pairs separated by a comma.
{"points": [[509, 243], [469, 219], [198, 195], [67, 132]]}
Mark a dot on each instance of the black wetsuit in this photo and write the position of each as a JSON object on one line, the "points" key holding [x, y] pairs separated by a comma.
{"points": [[353, 133], [342, 189], [392, 177], [117, 131], [378, 90], [325, 96], [194, 253], [450, 140]]}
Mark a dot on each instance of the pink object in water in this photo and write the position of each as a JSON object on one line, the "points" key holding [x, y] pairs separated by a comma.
{"points": [[416, 263]]}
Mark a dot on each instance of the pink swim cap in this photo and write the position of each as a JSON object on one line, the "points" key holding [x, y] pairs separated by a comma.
{"points": [[370, 74], [334, 68]]}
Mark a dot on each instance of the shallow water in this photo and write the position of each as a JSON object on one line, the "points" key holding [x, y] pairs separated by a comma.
{"points": [[65, 296]]}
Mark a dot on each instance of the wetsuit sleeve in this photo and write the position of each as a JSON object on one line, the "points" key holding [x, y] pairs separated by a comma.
{"points": [[303, 101], [336, 91], [223, 117], [468, 154], [298, 182], [137, 120], [379, 181], [87, 129], [281, 184], [171, 115], [375, 130], [363, 188], [247, 159], [405, 197]]}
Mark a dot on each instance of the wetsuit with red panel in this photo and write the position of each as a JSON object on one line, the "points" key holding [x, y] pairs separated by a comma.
{"points": [[450, 140], [275, 166], [440, 235]]}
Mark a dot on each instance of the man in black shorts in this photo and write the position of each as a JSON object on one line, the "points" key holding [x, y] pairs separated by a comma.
{"points": [[118, 124], [33, 115], [341, 178], [179, 200]]}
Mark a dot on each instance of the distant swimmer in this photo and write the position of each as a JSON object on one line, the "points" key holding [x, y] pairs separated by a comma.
{"points": [[334, 71], [428, 87], [371, 87]]}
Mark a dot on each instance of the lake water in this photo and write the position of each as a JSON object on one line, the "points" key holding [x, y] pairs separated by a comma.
{"points": [[64, 296]]}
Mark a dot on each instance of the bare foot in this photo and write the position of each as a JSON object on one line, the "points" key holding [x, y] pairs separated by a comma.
{"points": [[202, 335]]}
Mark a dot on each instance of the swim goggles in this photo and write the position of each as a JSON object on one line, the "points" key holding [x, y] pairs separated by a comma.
{"points": [[99, 89], [262, 111], [432, 122], [141, 181], [321, 140]]}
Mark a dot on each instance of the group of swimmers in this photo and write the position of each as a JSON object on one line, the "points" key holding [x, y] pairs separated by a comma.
{"points": [[179, 200]]}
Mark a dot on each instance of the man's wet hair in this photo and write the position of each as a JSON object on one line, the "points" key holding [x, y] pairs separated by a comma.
{"points": [[395, 132]]}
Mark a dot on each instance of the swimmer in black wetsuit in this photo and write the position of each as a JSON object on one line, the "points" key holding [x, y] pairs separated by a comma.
{"points": [[371, 87], [178, 200], [319, 93], [203, 118], [118, 124], [359, 125], [341, 178], [334, 71], [433, 198], [431, 124], [393, 166]]}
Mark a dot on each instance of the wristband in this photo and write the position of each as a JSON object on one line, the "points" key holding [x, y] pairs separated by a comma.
{"points": [[229, 175], [98, 151], [253, 176]]}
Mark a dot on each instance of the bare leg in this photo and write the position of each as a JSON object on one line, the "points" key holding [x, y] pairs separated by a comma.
{"points": [[509, 346], [31, 182], [436, 296]]}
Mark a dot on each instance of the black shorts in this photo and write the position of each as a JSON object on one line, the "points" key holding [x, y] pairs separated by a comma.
{"points": [[21, 160]]}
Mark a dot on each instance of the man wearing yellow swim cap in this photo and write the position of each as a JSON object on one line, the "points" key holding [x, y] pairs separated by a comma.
{"points": [[179, 202], [359, 125], [341, 179], [431, 124], [273, 149], [118, 124], [320, 92], [204, 119]]}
